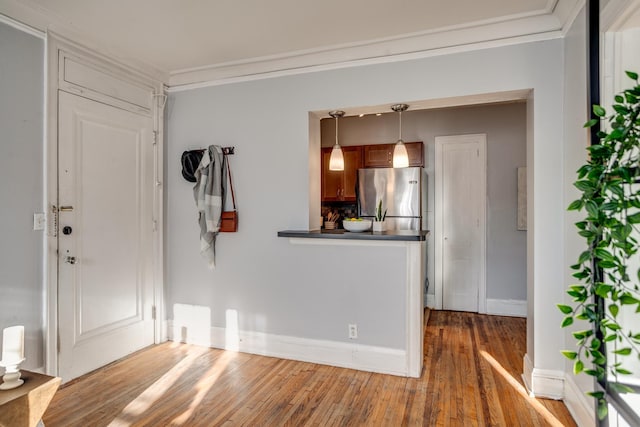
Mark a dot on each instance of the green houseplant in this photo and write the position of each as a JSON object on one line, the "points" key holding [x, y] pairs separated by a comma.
{"points": [[380, 216], [378, 219], [610, 185]]}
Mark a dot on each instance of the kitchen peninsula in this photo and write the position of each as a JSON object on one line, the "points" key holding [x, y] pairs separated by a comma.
{"points": [[393, 267], [392, 235]]}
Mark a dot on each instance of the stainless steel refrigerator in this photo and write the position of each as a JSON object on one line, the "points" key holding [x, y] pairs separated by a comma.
{"points": [[403, 192]]}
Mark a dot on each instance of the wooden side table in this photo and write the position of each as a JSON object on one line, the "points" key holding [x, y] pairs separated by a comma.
{"points": [[24, 406]]}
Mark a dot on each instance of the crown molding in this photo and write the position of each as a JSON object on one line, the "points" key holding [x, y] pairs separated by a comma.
{"points": [[22, 27], [615, 13], [40, 21], [568, 13], [547, 23], [408, 47]]}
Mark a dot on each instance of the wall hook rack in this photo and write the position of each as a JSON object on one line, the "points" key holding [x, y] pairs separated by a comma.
{"points": [[191, 159], [227, 151]]}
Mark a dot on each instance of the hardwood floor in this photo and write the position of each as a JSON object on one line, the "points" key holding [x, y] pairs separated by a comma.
{"points": [[472, 376]]}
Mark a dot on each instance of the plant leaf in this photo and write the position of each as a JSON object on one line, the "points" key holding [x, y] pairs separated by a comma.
{"points": [[632, 75], [627, 299], [634, 219], [565, 308], [623, 351], [620, 388], [604, 254], [596, 394], [578, 367], [591, 123], [613, 326], [571, 355], [603, 409], [576, 205], [599, 111]]}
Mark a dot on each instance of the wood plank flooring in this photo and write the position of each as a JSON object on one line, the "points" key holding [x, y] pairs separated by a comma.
{"points": [[472, 376]]}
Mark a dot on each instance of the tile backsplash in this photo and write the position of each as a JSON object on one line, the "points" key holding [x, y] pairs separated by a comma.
{"points": [[345, 210]]}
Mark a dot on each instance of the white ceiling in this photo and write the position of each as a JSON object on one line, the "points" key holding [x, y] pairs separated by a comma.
{"points": [[194, 40]]}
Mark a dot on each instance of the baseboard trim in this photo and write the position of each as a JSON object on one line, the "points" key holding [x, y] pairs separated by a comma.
{"points": [[545, 383], [578, 403], [497, 307], [430, 301], [527, 373], [345, 355], [507, 307]]}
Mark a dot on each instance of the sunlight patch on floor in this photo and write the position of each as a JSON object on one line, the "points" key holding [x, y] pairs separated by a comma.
{"points": [[151, 394], [537, 406], [204, 385]]}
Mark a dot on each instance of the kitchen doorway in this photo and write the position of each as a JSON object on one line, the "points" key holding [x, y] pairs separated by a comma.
{"points": [[460, 229]]}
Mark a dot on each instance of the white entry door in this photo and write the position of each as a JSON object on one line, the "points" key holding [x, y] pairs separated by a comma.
{"points": [[105, 261], [460, 221]]}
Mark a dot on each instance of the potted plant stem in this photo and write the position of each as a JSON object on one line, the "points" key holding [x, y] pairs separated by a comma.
{"points": [[378, 220]]}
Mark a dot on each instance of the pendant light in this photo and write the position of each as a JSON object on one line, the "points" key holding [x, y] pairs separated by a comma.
{"points": [[400, 155], [336, 161]]}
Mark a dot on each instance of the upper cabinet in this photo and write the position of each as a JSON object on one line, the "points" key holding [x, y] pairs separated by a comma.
{"points": [[381, 155], [341, 185], [338, 186]]}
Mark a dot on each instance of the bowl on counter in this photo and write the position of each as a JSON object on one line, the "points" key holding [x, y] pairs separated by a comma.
{"points": [[357, 226]]}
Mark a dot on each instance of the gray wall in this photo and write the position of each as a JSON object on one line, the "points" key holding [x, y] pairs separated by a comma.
{"points": [[21, 188], [277, 287], [505, 126]]}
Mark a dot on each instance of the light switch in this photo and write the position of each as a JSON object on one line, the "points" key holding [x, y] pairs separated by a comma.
{"points": [[38, 221]]}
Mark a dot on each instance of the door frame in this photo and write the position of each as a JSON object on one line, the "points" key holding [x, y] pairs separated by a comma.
{"points": [[439, 214], [56, 47]]}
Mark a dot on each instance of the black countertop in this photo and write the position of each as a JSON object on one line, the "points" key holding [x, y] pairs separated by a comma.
{"points": [[395, 235]]}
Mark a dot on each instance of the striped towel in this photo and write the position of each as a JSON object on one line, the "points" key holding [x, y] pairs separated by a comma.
{"points": [[208, 192]]}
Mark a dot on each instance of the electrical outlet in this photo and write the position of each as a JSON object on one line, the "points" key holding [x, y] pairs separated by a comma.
{"points": [[38, 221], [353, 331]]}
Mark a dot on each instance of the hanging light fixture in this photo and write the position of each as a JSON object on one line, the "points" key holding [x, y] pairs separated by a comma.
{"points": [[336, 161], [400, 155]]}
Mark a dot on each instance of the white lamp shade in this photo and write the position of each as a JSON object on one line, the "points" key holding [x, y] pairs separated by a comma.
{"points": [[12, 345], [336, 161], [400, 155]]}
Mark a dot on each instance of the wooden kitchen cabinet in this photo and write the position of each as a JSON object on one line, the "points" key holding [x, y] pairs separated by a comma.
{"points": [[381, 155], [341, 185]]}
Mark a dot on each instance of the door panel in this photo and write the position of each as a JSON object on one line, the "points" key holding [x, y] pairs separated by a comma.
{"points": [[462, 223], [105, 196]]}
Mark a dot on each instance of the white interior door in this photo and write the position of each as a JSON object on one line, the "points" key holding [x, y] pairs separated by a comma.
{"points": [[105, 241], [460, 222]]}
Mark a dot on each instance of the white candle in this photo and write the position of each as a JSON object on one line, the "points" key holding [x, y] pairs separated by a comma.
{"points": [[13, 344]]}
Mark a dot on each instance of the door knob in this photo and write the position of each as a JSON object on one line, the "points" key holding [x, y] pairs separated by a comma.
{"points": [[70, 260]]}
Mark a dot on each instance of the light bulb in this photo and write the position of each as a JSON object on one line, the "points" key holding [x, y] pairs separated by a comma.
{"points": [[400, 155], [336, 161]]}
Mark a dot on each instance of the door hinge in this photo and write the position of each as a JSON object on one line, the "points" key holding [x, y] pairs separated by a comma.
{"points": [[155, 137], [53, 224], [153, 312], [58, 342], [477, 152]]}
